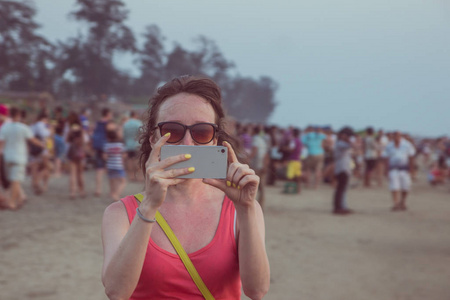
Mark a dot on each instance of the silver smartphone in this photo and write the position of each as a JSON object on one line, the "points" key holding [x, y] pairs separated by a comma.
{"points": [[208, 161]]}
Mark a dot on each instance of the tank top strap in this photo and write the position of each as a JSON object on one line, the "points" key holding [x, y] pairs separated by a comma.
{"points": [[130, 206]]}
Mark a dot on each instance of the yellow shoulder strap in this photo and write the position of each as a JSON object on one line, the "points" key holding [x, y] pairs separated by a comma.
{"points": [[181, 253]]}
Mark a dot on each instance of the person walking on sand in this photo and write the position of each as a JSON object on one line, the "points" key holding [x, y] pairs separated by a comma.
{"points": [[381, 172], [59, 149], [399, 153], [98, 143], [130, 133], [76, 155], [294, 165], [313, 141], [342, 170], [113, 154], [14, 136], [370, 150], [40, 163]]}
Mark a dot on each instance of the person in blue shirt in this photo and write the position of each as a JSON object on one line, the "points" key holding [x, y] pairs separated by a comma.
{"points": [[98, 143], [60, 149], [84, 119], [130, 133], [313, 141]]}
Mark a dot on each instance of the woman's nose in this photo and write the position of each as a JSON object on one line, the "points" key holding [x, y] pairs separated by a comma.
{"points": [[187, 139]]}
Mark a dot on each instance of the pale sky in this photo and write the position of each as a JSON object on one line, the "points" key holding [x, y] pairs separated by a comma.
{"points": [[382, 63]]}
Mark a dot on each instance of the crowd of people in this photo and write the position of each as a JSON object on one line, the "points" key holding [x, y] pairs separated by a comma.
{"points": [[318, 155], [56, 144], [69, 143]]}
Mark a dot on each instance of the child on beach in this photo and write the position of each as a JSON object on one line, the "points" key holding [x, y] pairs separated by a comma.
{"points": [[76, 155], [437, 173], [114, 152], [59, 149]]}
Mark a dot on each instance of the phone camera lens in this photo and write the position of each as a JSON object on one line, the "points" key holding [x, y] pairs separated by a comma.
{"points": [[223, 150]]}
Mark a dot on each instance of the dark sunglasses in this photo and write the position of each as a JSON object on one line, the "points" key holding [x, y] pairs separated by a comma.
{"points": [[201, 133]]}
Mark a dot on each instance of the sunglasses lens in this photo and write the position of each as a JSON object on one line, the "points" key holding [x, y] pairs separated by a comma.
{"points": [[176, 132], [203, 133]]}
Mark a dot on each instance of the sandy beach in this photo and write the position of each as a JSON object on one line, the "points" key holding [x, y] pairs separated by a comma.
{"points": [[51, 248]]}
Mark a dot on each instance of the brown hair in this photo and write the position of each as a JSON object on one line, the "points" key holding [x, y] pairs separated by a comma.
{"points": [[105, 111], [200, 86]]}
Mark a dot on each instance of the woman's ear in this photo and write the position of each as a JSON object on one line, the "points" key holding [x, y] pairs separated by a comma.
{"points": [[153, 139]]}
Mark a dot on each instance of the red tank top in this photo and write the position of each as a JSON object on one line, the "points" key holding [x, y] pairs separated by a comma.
{"points": [[164, 275]]}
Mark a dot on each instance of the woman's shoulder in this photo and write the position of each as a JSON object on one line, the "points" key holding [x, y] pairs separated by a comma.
{"points": [[115, 210], [122, 205]]}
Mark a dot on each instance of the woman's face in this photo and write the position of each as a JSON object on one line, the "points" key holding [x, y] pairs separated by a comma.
{"points": [[187, 109]]}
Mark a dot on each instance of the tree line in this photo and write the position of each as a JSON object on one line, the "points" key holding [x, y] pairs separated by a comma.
{"points": [[82, 66]]}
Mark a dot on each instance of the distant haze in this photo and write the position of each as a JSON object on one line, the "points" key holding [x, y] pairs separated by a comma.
{"points": [[373, 62]]}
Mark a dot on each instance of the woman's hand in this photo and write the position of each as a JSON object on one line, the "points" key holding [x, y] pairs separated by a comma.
{"points": [[241, 184], [157, 180]]}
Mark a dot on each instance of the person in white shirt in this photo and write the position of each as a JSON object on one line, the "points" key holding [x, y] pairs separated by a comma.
{"points": [[14, 136], [399, 153], [382, 141]]}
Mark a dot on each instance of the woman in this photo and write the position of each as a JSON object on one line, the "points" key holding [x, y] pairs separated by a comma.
{"points": [[218, 222], [76, 155]]}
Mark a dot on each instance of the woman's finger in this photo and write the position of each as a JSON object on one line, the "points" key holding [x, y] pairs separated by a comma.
{"points": [[231, 154], [248, 179], [232, 168], [156, 149], [173, 173], [169, 161], [240, 173], [165, 182], [157, 173]]}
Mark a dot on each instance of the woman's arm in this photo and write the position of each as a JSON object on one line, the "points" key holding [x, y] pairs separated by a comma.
{"points": [[124, 244], [124, 248], [253, 261], [241, 186]]}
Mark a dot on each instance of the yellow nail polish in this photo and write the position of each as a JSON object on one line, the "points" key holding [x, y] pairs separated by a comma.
{"points": [[234, 185], [167, 134], [191, 169], [228, 183], [187, 156], [239, 187]]}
